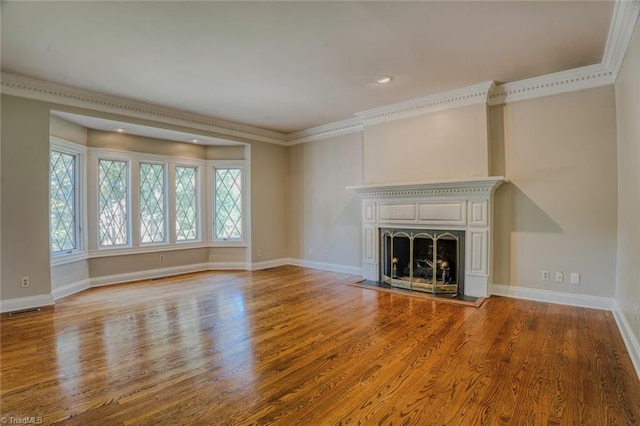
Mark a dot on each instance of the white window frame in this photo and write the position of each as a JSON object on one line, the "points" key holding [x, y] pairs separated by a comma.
{"points": [[80, 178], [166, 196], [134, 159], [199, 232], [245, 188], [130, 212]]}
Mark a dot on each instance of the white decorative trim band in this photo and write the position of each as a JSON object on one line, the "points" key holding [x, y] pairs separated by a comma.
{"points": [[331, 267], [25, 87], [29, 302], [552, 84], [630, 341], [557, 297], [148, 274], [337, 128], [257, 266], [72, 288], [625, 17], [227, 266], [471, 95]]}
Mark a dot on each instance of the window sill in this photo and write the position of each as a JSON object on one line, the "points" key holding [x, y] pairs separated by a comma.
{"points": [[227, 244], [108, 252], [63, 259]]}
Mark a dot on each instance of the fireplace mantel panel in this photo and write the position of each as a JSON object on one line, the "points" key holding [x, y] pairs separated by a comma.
{"points": [[460, 204]]}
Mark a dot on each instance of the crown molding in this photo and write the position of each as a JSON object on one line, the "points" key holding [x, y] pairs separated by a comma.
{"points": [[336, 128], [17, 85], [471, 95], [552, 84], [623, 22]]}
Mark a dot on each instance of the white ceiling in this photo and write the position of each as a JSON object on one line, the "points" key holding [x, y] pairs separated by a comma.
{"points": [[289, 66]]}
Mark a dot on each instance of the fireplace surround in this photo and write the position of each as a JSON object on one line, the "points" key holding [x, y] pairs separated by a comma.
{"points": [[443, 210]]}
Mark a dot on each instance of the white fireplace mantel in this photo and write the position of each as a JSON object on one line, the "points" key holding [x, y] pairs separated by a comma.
{"points": [[455, 204]]}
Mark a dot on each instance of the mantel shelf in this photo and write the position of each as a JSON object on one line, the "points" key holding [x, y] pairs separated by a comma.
{"points": [[468, 184]]}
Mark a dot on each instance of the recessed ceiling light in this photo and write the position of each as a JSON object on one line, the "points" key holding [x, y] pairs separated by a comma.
{"points": [[384, 79], [194, 140], [119, 130]]}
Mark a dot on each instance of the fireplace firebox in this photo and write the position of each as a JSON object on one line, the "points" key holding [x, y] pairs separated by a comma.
{"points": [[424, 224], [430, 261]]}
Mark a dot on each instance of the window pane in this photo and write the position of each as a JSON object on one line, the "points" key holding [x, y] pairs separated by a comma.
{"points": [[152, 224], [112, 203], [186, 220], [228, 204], [62, 200]]}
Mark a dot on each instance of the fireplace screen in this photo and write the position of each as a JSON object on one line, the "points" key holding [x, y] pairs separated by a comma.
{"points": [[423, 260]]}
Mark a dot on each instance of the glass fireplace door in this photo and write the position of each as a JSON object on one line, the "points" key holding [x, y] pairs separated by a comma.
{"points": [[423, 260]]}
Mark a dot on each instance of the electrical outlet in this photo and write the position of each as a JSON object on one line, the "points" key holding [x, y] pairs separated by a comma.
{"points": [[162, 258], [24, 282], [259, 253], [575, 278], [559, 277], [546, 275]]}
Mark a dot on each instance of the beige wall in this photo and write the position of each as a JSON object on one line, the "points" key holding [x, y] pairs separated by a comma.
{"points": [[27, 125], [127, 264], [126, 142], [69, 273], [627, 89], [323, 218], [68, 131], [268, 201], [559, 210], [226, 153], [25, 193], [441, 145]]}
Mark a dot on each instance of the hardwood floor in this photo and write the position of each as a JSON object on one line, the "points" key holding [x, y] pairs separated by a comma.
{"points": [[299, 346]]}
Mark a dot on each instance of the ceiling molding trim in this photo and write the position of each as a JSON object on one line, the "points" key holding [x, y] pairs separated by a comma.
{"points": [[471, 95], [16, 85], [552, 84], [350, 125], [623, 22]]}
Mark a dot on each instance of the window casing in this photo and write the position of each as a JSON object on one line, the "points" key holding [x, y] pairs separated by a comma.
{"points": [[152, 203], [186, 202], [229, 202], [113, 203], [66, 200]]}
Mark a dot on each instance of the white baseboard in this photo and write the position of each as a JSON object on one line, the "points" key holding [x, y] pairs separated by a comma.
{"points": [[72, 288], [29, 302], [630, 340], [332, 267], [226, 266], [256, 266], [538, 295], [145, 275]]}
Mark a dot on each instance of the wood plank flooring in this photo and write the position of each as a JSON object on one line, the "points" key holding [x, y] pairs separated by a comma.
{"points": [[292, 346]]}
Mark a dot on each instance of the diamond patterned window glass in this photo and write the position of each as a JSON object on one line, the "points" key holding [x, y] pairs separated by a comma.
{"points": [[62, 202], [152, 206], [228, 203], [186, 216], [112, 203]]}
